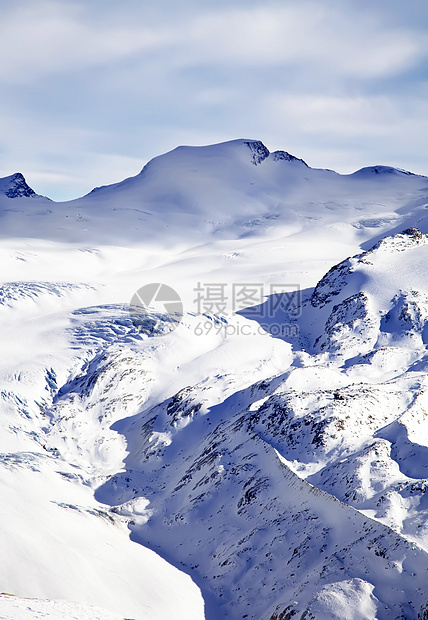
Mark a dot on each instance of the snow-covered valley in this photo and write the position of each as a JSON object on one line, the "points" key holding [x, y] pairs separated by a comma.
{"points": [[270, 454]]}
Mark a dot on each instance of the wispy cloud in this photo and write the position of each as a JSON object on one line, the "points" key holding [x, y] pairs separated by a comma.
{"points": [[352, 43], [47, 37]]}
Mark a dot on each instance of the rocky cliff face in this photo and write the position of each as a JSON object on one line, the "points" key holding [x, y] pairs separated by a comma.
{"points": [[15, 186]]}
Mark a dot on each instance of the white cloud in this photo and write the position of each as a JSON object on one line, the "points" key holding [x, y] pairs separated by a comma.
{"points": [[305, 33], [46, 37], [321, 114], [50, 36]]}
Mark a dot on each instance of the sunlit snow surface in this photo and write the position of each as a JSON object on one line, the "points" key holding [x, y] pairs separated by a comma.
{"points": [[13, 608], [268, 475]]}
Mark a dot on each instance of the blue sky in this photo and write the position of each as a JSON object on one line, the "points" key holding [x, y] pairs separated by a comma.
{"points": [[90, 91]]}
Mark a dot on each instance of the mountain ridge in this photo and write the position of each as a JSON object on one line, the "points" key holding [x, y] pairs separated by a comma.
{"points": [[259, 153], [269, 453], [232, 190]]}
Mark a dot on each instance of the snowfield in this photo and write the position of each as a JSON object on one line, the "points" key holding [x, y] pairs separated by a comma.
{"points": [[13, 608], [266, 459]]}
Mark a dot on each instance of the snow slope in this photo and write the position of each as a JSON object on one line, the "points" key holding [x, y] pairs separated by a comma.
{"points": [[278, 477], [15, 608]]}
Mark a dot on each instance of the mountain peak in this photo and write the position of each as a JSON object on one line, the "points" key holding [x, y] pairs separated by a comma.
{"points": [[285, 156], [259, 152], [381, 170], [15, 186]]}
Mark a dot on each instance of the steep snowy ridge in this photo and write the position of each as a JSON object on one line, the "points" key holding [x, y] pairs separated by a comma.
{"points": [[278, 478], [360, 316]]}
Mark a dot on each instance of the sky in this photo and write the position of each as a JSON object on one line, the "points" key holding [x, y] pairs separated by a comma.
{"points": [[91, 91]]}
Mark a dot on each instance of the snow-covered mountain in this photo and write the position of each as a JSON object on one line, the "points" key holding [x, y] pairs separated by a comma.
{"points": [[270, 458], [232, 190]]}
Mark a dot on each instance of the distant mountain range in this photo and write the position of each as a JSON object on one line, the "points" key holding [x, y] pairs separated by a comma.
{"points": [[230, 191]]}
